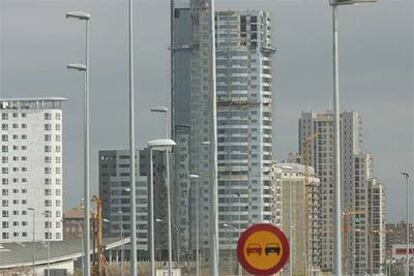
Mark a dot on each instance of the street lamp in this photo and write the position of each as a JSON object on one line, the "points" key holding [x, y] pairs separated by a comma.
{"points": [[337, 150], [289, 169], [195, 177], [85, 68], [239, 197], [122, 228], [161, 145], [407, 176], [47, 214], [230, 227], [164, 110], [33, 241], [133, 215]]}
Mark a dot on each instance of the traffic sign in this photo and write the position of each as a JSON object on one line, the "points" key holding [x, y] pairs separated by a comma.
{"points": [[263, 249]]}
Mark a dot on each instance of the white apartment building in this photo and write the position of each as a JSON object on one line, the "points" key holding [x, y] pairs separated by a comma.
{"points": [[31, 169], [296, 205], [244, 121]]}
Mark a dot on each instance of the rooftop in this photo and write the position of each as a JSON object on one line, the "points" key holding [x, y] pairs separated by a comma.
{"points": [[21, 254]]}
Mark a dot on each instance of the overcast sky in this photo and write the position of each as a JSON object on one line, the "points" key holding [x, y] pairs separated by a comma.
{"points": [[376, 74]]}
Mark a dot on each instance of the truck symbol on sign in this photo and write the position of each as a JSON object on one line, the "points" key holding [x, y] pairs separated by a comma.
{"points": [[272, 248], [254, 248]]}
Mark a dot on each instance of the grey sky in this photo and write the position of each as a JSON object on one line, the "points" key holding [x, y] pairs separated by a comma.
{"points": [[376, 70]]}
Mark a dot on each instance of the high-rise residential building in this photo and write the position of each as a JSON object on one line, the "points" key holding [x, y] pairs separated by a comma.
{"points": [[377, 232], [31, 169], [181, 53], [114, 189], [296, 206], [241, 112], [316, 141], [203, 124], [244, 121]]}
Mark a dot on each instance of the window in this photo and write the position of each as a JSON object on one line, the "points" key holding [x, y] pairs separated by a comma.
{"points": [[24, 126], [48, 116], [5, 224], [48, 127], [5, 138], [57, 116], [48, 181], [5, 236], [24, 137], [48, 137], [48, 203], [48, 148], [48, 192], [48, 170], [57, 127], [5, 203]]}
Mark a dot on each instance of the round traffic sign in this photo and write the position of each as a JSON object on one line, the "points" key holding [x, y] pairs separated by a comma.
{"points": [[263, 249]]}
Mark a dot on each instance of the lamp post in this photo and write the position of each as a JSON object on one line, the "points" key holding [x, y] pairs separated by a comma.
{"points": [[289, 169], [47, 214], [230, 227], [85, 68], [133, 216], [177, 233], [195, 177], [122, 230], [161, 145], [164, 110], [407, 176], [122, 243], [33, 241], [337, 145], [239, 271]]}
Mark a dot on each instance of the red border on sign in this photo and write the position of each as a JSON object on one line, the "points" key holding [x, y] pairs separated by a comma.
{"points": [[263, 227]]}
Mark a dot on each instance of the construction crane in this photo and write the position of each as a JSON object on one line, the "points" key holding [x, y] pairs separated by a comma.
{"points": [[99, 260]]}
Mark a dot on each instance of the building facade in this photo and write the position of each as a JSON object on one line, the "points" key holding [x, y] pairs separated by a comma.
{"points": [[377, 233], [297, 205], [31, 169], [244, 121], [316, 133], [73, 220], [114, 190], [203, 138]]}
